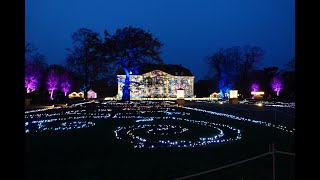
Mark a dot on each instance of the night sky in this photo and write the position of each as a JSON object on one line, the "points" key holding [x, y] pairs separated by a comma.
{"points": [[189, 29]]}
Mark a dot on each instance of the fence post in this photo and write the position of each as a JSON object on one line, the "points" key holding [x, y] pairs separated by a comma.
{"points": [[273, 162]]}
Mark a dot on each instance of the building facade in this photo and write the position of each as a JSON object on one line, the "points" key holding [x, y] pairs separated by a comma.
{"points": [[161, 82]]}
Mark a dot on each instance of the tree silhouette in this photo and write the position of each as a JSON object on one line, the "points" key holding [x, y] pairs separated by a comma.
{"points": [[85, 59], [128, 48], [291, 65], [234, 65], [35, 66]]}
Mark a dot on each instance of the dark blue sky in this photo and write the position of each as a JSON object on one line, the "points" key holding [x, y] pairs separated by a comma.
{"points": [[189, 29]]}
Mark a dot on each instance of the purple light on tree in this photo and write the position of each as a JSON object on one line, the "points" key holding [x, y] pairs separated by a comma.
{"points": [[53, 83], [30, 83], [254, 87], [32, 75], [276, 84], [65, 83], [65, 87]]}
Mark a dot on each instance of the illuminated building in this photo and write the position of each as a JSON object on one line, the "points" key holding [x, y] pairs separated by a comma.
{"points": [[257, 94], [215, 95], [76, 95], [158, 81], [91, 94]]}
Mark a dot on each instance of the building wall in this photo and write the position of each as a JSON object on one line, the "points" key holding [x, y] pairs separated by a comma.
{"points": [[157, 84]]}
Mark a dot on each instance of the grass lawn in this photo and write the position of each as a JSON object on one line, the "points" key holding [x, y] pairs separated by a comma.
{"points": [[96, 153]]}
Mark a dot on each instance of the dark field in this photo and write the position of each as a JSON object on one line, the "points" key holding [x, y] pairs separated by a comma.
{"points": [[95, 153]]}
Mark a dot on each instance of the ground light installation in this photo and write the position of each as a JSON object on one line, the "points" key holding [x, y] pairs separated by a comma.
{"points": [[131, 134], [151, 124]]}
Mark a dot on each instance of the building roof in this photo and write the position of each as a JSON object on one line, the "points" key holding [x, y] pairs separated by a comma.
{"points": [[175, 70]]}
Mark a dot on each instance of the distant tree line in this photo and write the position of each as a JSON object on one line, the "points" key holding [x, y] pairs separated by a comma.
{"points": [[42, 81], [94, 61], [238, 68]]}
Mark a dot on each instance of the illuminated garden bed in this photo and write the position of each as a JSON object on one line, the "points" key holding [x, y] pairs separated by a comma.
{"points": [[191, 133], [114, 142]]}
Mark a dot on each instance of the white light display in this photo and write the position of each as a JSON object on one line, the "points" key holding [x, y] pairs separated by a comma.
{"points": [[40, 126], [180, 93], [129, 134], [244, 119], [233, 93], [257, 93], [280, 104], [156, 84], [158, 119]]}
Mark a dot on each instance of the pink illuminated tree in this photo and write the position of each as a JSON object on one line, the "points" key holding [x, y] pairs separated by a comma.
{"points": [[254, 87], [30, 82], [52, 82], [276, 84], [34, 67], [65, 83]]}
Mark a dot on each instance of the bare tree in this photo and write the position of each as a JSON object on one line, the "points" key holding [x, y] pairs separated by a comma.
{"points": [[85, 59], [291, 65], [52, 82], [251, 56], [233, 65], [277, 84], [35, 66], [128, 48], [65, 83]]}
